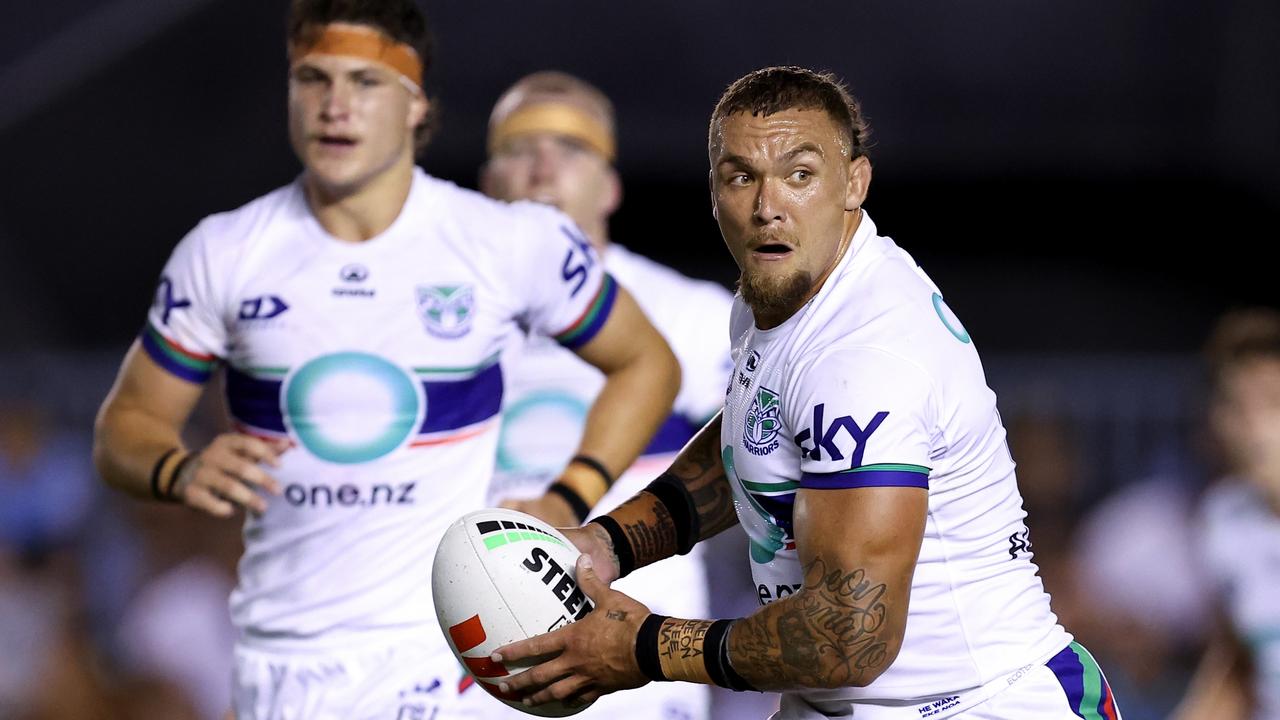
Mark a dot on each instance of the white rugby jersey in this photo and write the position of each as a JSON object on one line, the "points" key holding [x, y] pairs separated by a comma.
{"points": [[379, 361], [549, 389], [875, 383], [1241, 548]]}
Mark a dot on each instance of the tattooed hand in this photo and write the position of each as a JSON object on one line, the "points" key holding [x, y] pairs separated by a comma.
{"points": [[591, 657]]}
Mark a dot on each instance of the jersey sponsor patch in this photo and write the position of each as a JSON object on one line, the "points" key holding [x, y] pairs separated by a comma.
{"points": [[823, 441], [446, 310]]}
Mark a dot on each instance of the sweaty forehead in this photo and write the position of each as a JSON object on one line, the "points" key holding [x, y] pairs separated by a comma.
{"points": [[763, 136]]}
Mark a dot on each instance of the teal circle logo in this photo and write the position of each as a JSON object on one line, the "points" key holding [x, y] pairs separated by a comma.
{"points": [[949, 319], [352, 407], [529, 427]]}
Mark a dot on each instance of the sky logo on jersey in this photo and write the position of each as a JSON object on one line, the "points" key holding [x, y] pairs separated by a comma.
{"points": [[446, 310], [826, 437], [573, 269], [760, 427], [167, 301], [262, 308]]}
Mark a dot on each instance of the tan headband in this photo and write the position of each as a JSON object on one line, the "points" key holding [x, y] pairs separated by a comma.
{"points": [[558, 118], [363, 42]]}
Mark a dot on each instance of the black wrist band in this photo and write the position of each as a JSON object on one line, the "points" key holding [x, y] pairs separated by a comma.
{"points": [[155, 474], [580, 507], [715, 653], [621, 545], [596, 465], [170, 493], [672, 493], [647, 648]]}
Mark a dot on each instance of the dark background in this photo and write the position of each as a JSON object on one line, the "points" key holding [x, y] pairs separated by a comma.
{"points": [[1092, 176]]}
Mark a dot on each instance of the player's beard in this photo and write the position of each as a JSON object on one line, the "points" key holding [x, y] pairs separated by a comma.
{"points": [[774, 298]]}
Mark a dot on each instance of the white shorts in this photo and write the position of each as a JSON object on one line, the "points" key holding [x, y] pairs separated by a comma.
{"points": [[404, 681], [1070, 686]]}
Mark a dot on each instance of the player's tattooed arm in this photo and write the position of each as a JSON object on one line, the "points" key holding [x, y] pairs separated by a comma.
{"points": [[845, 626], [649, 525], [700, 467]]}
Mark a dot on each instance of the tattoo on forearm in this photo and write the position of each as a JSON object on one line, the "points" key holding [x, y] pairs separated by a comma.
{"points": [[700, 468], [682, 638], [831, 633], [654, 538], [616, 615]]}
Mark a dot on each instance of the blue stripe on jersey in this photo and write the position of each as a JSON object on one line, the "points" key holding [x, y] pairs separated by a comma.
{"points": [[782, 508], [453, 404], [672, 435], [255, 401], [866, 478], [169, 355]]}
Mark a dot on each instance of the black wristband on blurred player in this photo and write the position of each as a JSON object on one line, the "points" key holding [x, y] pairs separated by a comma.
{"points": [[579, 506], [596, 465], [161, 490]]}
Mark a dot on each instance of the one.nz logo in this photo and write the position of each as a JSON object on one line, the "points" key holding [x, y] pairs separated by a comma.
{"points": [[760, 429], [446, 310]]}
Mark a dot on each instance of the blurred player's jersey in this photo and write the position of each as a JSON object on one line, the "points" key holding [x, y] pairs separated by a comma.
{"points": [[874, 383], [1241, 545], [549, 390], [379, 361]]}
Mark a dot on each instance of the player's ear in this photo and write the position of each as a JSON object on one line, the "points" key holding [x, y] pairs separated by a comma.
{"points": [[711, 187], [611, 197], [859, 182], [418, 107]]}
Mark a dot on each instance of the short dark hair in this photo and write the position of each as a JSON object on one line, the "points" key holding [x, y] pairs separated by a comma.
{"points": [[1241, 336], [401, 20], [774, 89]]}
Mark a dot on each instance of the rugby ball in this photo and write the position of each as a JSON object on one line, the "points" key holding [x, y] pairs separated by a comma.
{"points": [[502, 576]]}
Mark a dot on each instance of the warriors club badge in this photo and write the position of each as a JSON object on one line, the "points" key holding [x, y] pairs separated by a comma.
{"points": [[761, 426], [446, 310]]}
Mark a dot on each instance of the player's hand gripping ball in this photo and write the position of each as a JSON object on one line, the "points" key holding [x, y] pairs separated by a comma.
{"points": [[502, 576]]}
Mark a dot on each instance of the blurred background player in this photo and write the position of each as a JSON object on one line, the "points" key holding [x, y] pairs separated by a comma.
{"points": [[359, 312], [552, 140], [1239, 675]]}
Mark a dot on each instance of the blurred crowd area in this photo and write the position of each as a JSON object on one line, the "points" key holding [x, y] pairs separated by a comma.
{"points": [[115, 608]]}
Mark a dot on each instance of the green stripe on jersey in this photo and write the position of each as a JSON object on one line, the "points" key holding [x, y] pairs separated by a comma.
{"points": [[898, 467], [784, 486], [1092, 684]]}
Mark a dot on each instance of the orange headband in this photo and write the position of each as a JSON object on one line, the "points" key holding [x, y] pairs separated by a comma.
{"points": [[363, 42], [557, 118]]}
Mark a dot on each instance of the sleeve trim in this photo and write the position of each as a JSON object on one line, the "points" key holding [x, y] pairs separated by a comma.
{"points": [[593, 318], [865, 477], [186, 364]]}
